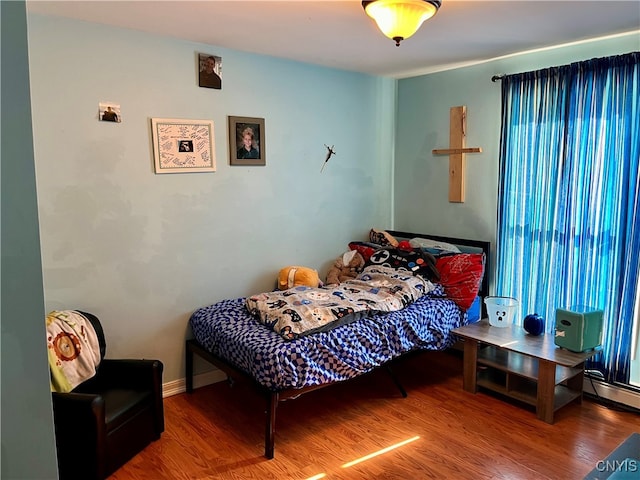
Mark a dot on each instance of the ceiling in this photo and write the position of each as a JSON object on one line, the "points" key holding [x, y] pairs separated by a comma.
{"points": [[339, 34]]}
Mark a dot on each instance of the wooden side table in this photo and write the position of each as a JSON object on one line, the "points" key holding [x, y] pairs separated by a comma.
{"points": [[531, 369]]}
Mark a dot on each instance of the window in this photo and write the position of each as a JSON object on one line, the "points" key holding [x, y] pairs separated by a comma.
{"points": [[569, 199]]}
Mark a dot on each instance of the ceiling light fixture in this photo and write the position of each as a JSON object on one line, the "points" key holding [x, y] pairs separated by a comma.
{"points": [[399, 19]]}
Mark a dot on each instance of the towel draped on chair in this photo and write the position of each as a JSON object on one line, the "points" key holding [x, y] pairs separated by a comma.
{"points": [[73, 349]]}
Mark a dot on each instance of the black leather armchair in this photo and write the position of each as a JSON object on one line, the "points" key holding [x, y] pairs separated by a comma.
{"points": [[109, 418]]}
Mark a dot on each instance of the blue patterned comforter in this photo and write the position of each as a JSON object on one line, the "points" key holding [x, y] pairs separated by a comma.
{"points": [[227, 330]]}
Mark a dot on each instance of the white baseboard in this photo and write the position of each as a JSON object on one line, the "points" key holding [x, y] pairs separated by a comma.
{"points": [[604, 390], [613, 393], [180, 386]]}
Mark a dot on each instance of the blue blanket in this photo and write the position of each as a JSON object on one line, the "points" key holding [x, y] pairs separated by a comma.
{"points": [[230, 332]]}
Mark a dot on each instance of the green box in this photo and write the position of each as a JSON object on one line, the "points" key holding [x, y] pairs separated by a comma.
{"points": [[578, 329]]}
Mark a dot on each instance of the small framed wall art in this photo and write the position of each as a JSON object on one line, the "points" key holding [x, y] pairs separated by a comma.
{"points": [[183, 146], [247, 141], [209, 71], [109, 112]]}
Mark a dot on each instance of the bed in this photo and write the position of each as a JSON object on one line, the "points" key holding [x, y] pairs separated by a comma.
{"points": [[229, 336]]}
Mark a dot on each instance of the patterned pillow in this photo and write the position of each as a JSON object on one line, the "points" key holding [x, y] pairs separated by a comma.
{"points": [[428, 244], [382, 238], [461, 275], [414, 261]]}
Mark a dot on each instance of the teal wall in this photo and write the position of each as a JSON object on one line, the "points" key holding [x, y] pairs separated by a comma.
{"points": [[141, 250], [421, 178], [27, 421]]}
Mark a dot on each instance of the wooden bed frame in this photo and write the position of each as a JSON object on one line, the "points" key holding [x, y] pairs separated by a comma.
{"points": [[274, 397]]}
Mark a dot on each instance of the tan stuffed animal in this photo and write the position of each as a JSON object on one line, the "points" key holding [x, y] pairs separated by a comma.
{"points": [[294, 276], [345, 267]]}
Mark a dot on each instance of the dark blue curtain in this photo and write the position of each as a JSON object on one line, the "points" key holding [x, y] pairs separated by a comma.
{"points": [[569, 212]]}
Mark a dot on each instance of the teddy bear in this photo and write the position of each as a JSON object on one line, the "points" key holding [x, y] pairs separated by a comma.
{"points": [[294, 276], [346, 267]]}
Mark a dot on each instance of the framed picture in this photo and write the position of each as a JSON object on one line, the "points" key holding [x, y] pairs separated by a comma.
{"points": [[209, 71], [183, 146], [247, 141], [109, 112]]}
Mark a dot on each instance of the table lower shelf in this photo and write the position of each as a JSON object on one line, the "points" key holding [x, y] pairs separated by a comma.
{"points": [[522, 389], [519, 364]]}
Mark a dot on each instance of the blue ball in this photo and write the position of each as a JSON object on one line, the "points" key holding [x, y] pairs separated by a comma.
{"points": [[534, 324]]}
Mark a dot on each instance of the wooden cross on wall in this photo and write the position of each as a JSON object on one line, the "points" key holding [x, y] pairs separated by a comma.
{"points": [[456, 152]]}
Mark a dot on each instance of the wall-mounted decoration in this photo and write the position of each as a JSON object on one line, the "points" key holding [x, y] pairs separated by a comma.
{"points": [[247, 141], [183, 146], [330, 153], [109, 112], [456, 151], [209, 71]]}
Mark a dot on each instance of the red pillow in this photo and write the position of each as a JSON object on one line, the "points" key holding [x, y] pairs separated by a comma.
{"points": [[461, 276], [365, 249]]}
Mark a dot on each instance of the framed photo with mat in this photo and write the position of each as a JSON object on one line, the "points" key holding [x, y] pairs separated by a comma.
{"points": [[183, 146], [247, 141]]}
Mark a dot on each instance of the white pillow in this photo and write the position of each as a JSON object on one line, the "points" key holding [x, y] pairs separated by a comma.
{"points": [[427, 243]]}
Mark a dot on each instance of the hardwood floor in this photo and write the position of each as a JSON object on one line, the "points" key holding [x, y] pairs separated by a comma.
{"points": [[217, 432]]}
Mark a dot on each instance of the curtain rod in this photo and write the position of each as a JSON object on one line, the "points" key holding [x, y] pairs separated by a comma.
{"points": [[495, 78]]}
